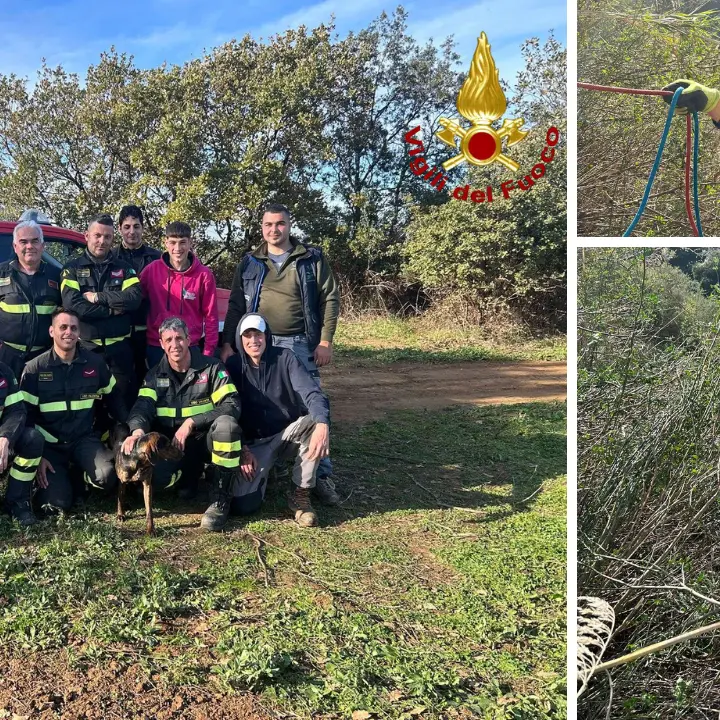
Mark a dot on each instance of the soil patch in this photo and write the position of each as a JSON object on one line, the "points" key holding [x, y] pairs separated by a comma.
{"points": [[361, 394], [42, 686]]}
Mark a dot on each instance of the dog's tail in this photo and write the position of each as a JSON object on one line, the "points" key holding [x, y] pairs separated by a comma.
{"points": [[156, 446]]}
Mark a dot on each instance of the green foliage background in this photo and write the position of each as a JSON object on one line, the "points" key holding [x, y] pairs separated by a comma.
{"points": [[648, 530], [316, 121]]}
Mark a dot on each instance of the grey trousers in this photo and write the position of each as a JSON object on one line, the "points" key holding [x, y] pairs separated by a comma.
{"points": [[292, 442], [299, 345]]}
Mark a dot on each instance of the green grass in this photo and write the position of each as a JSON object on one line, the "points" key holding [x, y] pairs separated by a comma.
{"points": [[383, 340], [437, 588]]}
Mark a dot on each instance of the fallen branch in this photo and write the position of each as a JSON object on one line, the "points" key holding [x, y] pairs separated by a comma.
{"points": [[657, 647]]}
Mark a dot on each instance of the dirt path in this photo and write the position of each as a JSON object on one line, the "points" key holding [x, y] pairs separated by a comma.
{"points": [[362, 394]]}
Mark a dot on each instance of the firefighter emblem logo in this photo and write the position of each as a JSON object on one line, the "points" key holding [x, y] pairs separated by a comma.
{"points": [[481, 101]]}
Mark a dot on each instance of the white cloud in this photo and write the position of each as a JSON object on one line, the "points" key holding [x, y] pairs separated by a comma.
{"points": [[505, 29], [313, 15]]}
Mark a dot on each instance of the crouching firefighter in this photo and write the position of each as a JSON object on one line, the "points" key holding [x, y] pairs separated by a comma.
{"points": [[190, 398], [24, 443], [62, 389]]}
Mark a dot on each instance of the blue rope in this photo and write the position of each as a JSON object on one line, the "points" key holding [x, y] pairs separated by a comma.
{"points": [[656, 165], [696, 156]]}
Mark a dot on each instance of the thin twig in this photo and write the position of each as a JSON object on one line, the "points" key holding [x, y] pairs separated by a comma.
{"points": [[258, 544]]}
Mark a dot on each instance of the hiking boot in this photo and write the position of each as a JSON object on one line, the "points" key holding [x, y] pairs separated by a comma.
{"points": [[216, 515], [325, 491], [299, 503], [22, 511]]}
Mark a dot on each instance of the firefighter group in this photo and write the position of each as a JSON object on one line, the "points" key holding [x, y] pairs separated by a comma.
{"points": [[125, 340]]}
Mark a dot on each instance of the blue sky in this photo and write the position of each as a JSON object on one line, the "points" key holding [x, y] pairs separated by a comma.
{"points": [[73, 33]]}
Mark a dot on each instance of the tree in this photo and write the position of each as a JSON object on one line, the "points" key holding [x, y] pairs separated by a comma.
{"points": [[509, 252]]}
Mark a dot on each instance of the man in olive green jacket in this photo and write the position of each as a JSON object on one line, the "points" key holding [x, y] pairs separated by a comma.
{"points": [[292, 286]]}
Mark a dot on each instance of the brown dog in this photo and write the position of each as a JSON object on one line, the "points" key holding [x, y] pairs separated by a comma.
{"points": [[138, 467]]}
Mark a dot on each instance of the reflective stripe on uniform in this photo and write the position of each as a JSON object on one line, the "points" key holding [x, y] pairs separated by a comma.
{"points": [[90, 482], [81, 404], [221, 392], [147, 392], [22, 476], [16, 397], [24, 347], [26, 462], [74, 284], [59, 406], [32, 399], [21, 462], [186, 411], [174, 478], [226, 446], [45, 309], [140, 328], [108, 388], [129, 282], [109, 341], [46, 434], [15, 309], [196, 410], [224, 462]]}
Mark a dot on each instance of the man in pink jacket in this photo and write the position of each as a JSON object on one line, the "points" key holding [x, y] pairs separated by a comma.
{"points": [[179, 285]]}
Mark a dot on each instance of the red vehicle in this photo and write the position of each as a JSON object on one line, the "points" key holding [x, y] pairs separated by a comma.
{"points": [[62, 245]]}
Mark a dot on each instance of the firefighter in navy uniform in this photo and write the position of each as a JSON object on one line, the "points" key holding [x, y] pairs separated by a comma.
{"points": [[61, 389], [190, 398], [29, 292], [26, 444], [138, 255], [104, 292]]}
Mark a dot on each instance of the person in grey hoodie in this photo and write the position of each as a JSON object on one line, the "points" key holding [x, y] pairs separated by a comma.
{"points": [[284, 415]]}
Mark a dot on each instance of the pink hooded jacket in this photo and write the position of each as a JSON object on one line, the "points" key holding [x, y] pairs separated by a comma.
{"points": [[189, 295]]}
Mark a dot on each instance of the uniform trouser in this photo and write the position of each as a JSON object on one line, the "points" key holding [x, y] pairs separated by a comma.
{"points": [[220, 445], [16, 359], [299, 345], [28, 451], [138, 340], [94, 459], [119, 359], [292, 442]]}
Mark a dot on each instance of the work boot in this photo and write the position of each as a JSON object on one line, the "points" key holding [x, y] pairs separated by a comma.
{"points": [[325, 491], [21, 510], [299, 503], [217, 513]]}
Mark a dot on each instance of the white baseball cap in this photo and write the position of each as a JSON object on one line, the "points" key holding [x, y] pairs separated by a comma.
{"points": [[253, 322]]}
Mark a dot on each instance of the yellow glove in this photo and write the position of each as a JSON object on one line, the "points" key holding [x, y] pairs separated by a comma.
{"points": [[695, 97]]}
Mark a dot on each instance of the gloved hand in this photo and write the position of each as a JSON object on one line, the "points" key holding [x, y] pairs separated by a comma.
{"points": [[695, 97]]}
